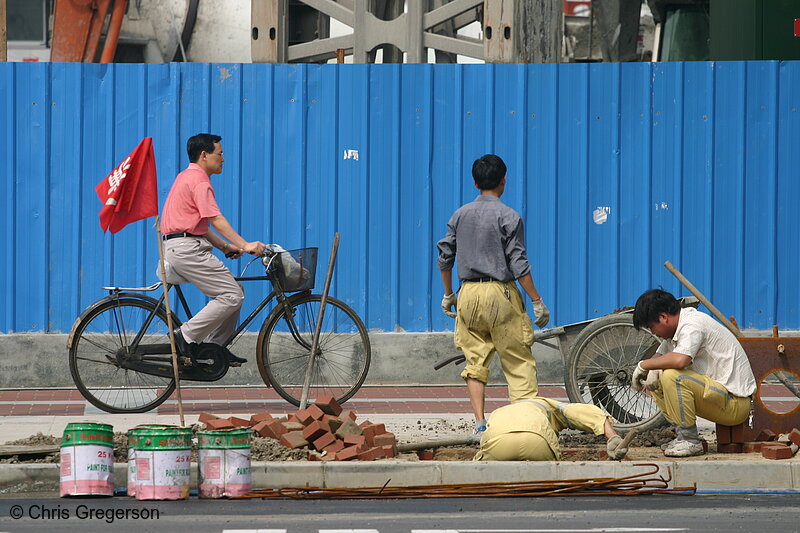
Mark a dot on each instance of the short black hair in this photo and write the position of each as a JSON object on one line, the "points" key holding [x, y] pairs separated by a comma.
{"points": [[488, 171], [651, 304], [202, 142]]}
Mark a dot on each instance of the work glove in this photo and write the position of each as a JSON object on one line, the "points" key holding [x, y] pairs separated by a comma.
{"points": [[449, 301], [639, 375], [653, 381], [541, 312], [614, 450]]}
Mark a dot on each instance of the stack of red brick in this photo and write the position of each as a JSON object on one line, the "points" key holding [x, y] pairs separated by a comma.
{"points": [[329, 431], [770, 445]]}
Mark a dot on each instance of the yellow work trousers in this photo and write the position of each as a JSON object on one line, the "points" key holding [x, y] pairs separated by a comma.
{"points": [[684, 395], [491, 317]]}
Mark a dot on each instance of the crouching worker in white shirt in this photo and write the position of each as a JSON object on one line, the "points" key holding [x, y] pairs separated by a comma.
{"points": [[700, 369], [527, 430]]}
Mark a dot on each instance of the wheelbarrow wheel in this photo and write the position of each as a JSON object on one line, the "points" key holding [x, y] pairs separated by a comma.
{"points": [[600, 367]]}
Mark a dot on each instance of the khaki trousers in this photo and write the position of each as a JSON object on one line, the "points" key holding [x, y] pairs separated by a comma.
{"points": [[684, 395], [191, 257], [491, 317]]}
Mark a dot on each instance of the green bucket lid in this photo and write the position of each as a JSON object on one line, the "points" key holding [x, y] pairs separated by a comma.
{"points": [[224, 439], [160, 438], [85, 433]]}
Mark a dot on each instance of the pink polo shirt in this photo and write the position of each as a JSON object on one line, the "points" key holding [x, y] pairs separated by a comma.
{"points": [[190, 203]]}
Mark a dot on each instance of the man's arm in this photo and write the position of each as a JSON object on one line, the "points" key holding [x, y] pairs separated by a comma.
{"points": [[224, 228], [674, 360], [526, 282], [447, 281]]}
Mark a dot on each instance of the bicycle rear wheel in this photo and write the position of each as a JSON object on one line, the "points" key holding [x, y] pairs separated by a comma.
{"points": [[600, 368], [343, 355], [102, 338]]}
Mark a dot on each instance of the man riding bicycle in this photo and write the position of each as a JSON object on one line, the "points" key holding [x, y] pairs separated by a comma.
{"points": [[190, 208]]}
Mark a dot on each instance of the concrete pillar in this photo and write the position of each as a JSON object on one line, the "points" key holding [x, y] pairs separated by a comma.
{"points": [[269, 31], [617, 28], [522, 31]]}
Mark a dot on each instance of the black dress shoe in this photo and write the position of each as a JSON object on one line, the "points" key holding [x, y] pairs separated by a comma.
{"points": [[183, 347], [234, 360]]}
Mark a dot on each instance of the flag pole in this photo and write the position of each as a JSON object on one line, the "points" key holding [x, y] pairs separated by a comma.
{"points": [[169, 320]]}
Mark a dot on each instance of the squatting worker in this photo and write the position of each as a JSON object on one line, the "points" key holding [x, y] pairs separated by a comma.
{"points": [[188, 242], [700, 369], [489, 239], [528, 430]]}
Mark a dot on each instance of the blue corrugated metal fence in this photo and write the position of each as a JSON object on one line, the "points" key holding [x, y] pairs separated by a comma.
{"points": [[614, 167]]}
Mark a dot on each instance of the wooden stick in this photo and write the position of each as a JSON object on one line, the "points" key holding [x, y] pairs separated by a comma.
{"points": [[703, 300], [169, 321], [320, 315]]}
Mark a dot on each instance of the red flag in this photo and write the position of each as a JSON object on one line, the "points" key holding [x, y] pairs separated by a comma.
{"points": [[130, 192]]}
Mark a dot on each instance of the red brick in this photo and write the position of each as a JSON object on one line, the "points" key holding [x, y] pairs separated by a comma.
{"points": [[733, 447], [304, 416], [347, 454], [314, 457], [239, 422], [333, 422], [371, 430], [425, 455], [260, 417], [314, 430], [385, 439], [723, 434], [205, 417], [354, 440], [293, 426], [752, 447], [348, 428], [794, 436], [389, 451], [293, 439], [219, 423], [766, 435], [277, 427], [315, 412], [335, 447], [776, 451], [348, 413], [325, 440], [737, 433], [364, 424], [263, 430], [371, 454], [329, 405]]}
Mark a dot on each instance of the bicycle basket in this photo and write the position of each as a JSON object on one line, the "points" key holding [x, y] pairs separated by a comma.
{"points": [[296, 270]]}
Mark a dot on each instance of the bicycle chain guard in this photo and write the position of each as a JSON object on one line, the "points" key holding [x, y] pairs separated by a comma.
{"points": [[209, 362]]}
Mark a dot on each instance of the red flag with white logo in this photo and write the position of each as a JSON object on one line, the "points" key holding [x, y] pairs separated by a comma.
{"points": [[130, 192]]}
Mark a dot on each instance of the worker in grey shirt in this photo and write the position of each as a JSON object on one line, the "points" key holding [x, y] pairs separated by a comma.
{"points": [[489, 239]]}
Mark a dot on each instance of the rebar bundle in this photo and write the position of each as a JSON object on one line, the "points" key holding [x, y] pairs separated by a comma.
{"points": [[649, 482]]}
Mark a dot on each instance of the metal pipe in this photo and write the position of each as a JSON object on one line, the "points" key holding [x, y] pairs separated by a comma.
{"points": [[3, 33], [117, 15]]}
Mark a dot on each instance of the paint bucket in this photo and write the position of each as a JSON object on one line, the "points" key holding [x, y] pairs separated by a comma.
{"points": [[163, 463], [87, 460], [223, 459], [133, 441]]}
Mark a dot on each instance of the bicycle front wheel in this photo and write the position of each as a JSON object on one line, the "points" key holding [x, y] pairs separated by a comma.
{"points": [[343, 355], [600, 368], [102, 339]]}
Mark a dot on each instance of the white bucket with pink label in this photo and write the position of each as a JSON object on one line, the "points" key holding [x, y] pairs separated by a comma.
{"points": [[87, 460], [223, 459], [163, 463]]}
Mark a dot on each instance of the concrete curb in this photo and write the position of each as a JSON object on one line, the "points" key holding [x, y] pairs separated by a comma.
{"points": [[727, 475]]}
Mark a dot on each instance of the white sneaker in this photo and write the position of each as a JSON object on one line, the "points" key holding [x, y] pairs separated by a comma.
{"points": [[670, 443], [684, 448]]}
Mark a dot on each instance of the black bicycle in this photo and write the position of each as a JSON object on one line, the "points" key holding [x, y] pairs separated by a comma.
{"points": [[120, 355]]}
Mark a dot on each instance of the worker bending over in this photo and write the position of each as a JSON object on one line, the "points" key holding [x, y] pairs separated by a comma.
{"points": [[527, 430], [700, 369]]}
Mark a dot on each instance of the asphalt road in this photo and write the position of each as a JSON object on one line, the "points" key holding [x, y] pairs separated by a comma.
{"points": [[771, 513]]}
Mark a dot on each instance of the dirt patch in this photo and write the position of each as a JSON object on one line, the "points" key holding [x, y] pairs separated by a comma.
{"points": [[265, 449]]}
